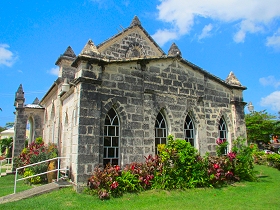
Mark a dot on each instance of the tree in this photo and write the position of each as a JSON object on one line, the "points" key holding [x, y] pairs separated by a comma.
{"points": [[2, 129], [6, 145], [9, 125], [261, 126]]}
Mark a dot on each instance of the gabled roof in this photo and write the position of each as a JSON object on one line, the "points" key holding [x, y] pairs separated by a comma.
{"points": [[127, 39], [134, 26], [132, 42]]}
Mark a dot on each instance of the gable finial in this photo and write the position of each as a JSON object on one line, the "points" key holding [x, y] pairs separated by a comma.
{"points": [[135, 21], [232, 80], [69, 52], [90, 49], [174, 50], [36, 101], [19, 97]]}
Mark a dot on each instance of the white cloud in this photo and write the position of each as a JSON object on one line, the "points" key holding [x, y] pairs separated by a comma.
{"points": [[205, 31], [274, 41], [270, 81], [7, 58], [245, 27], [249, 16], [162, 36], [54, 71], [272, 101]]}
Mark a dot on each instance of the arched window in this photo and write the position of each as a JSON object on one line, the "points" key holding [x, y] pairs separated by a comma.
{"points": [[111, 138], [223, 131], [30, 130], [52, 125], [189, 130], [160, 131]]}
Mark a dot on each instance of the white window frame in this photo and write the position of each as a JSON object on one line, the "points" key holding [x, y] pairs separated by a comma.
{"points": [[111, 139]]}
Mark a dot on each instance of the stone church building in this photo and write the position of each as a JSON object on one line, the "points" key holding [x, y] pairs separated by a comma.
{"points": [[116, 101]]}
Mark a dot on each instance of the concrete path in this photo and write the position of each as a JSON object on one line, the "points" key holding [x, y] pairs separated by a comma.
{"points": [[34, 191]]}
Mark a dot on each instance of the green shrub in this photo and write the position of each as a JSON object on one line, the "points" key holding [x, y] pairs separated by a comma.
{"points": [[260, 157], [36, 152], [221, 170], [103, 180], [244, 163], [34, 180], [221, 148], [180, 166], [177, 166], [274, 160], [111, 181], [127, 182]]}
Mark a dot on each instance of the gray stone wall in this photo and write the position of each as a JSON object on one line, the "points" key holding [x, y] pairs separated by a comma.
{"points": [[125, 47], [138, 94], [22, 117]]}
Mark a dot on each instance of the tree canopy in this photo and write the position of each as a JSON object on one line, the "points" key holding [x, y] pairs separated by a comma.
{"points": [[9, 124], [261, 126]]}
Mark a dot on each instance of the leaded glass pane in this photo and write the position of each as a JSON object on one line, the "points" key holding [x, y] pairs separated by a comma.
{"points": [[160, 131], [115, 141], [111, 152], [111, 138], [189, 130], [107, 141], [223, 132]]}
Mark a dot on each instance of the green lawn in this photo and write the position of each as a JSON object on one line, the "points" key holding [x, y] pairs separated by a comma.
{"points": [[264, 194], [7, 185]]}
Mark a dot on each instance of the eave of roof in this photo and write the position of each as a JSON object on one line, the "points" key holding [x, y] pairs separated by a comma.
{"points": [[104, 61], [58, 81]]}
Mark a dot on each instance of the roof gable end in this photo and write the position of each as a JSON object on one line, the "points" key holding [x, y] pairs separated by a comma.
{"points": [[132, 42]]}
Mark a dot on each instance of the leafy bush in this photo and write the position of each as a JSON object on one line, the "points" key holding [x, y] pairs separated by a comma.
{"points": [[180, 166], [35, 152], [103, 181], [221, 170], [34, 180], [274, 160], [144, 171], [177, 166], [221, 148], [111, 181], [244, 163]]}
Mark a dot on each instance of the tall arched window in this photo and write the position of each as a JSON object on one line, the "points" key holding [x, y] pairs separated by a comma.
{"points": [[160, 131], [189, 130], [30, 130], [111, 138], [223, 131], [52, 125]]}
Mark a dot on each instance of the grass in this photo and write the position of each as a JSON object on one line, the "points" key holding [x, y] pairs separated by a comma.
{"points": [[263, 194], [7, 185]]}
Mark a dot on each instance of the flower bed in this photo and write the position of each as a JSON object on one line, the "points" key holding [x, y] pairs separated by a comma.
{"points": [[177, 166]]}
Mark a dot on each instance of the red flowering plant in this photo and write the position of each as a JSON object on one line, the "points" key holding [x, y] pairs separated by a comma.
{"points": [[35, 152], [144, 171], [220, 171], [103, 181]]}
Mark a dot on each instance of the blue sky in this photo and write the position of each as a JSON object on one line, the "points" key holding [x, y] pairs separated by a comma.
{"points": [[216, 35]]}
